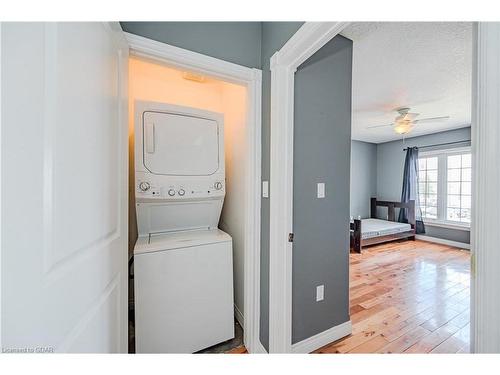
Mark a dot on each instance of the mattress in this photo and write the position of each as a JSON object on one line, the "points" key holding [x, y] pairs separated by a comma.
{"points": [[371, 228]]}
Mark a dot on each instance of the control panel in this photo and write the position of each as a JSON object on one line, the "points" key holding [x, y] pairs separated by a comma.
{"points": [[148, 186]]}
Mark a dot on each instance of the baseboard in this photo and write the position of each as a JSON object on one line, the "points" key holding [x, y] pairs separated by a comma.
{"points": [[259, 349], [321, 339], [441, 241], [239, 316]]}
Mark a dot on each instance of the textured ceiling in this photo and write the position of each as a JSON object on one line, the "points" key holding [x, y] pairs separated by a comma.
{"points": [[426, 66]]}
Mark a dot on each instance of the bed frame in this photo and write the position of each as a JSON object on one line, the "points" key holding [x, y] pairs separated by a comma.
{"points": [[357, 243]]}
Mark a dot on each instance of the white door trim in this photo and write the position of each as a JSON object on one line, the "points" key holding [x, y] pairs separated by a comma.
{"points": [[485, 236], [302, 45], [196, 62], [123, 121], [1, 195], [252, 80]]}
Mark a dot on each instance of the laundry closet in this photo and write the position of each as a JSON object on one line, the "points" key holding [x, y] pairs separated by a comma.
{"points": [[186, 207]]}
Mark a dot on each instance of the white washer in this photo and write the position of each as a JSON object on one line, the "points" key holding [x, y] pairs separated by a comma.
{"points": [[184, 292], [183, 272]]}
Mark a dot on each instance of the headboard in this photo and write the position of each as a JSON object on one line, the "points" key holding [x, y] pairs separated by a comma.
{"points": [[391, 206]]}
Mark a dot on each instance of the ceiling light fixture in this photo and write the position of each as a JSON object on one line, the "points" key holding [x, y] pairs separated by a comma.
{"points": [[403, 127], [406, 121]]}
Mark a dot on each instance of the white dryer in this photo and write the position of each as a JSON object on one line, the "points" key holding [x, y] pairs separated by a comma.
{"points": [[179, 168], [183, 272]]}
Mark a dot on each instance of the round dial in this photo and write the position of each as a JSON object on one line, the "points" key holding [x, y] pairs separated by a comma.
{"points": [[181, 192], [218, 185], [171, 192], [144, 186]]}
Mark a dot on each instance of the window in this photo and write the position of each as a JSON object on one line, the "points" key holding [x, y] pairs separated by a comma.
{"points": [[428, 186], [445, 186], [458, 195]]}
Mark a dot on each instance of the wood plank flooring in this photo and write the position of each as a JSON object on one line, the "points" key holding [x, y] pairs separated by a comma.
{"points": [[407, 297]]}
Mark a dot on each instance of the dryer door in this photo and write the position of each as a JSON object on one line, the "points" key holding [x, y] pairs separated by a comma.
{"points": [[180, 145]]}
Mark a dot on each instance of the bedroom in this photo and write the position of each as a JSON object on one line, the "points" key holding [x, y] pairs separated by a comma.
{"points": [[411, 116]]}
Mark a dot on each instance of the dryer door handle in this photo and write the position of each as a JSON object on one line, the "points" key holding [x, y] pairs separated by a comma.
{"points": [[150, 137]]}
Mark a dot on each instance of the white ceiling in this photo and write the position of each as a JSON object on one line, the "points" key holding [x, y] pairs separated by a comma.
{"points": [[422, 65]]}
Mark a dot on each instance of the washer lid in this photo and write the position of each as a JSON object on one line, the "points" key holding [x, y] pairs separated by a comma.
{"points": [[177, 240], [180, 145]]}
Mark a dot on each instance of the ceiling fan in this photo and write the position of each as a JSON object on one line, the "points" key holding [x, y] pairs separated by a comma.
{"points": [[406, 121]]}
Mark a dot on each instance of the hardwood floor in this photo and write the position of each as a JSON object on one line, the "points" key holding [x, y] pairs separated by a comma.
{"points": [[238, 350], [407, 297]]}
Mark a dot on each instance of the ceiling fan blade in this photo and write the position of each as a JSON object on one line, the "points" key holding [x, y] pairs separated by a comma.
{"points": [[411, 116], [379, 126], [431, 119]]}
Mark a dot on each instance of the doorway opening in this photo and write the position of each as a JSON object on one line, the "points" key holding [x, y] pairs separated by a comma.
{"points": [[195, 82], [411, 183], [310, 38]]}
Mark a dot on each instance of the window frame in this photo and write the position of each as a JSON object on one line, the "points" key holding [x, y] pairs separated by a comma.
{"points": [[442, 187]]}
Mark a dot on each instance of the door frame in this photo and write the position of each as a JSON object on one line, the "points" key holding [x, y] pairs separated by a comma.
{"points": [[1, 180], [485, 300], [284, 63], [485, 236], [251, 78]]}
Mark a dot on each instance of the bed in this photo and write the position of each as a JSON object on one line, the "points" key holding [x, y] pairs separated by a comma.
{"points": [[373, 231]]}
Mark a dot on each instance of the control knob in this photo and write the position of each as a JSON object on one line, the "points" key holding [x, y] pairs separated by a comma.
{"points": [[218, 185], [171, 192], [181, 192], [144, 186]]}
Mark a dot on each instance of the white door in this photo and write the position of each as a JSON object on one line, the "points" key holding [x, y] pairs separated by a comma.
{"points": [[64, 187]]}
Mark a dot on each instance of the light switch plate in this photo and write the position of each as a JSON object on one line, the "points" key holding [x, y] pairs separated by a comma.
{"points": [[320, 293], [265, 189], [321, 190]]}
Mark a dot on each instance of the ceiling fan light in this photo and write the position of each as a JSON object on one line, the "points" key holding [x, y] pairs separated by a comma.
{"points": [[403, 127]]}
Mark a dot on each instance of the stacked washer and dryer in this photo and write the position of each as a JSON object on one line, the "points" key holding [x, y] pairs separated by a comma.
{"points": [[183, 271]]}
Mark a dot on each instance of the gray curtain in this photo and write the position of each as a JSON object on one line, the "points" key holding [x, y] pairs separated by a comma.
{"points": [[410, 189]]}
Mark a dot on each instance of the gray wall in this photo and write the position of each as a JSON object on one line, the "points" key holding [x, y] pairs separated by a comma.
{"points": [[363, 177], [237, 42], [322, 137], [274, 36], [390, 165]]}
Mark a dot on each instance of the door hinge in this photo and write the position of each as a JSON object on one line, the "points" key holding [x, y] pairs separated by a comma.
{"points": [[290, 237]]}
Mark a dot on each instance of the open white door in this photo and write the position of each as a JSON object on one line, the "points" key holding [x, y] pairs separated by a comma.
{"points": [[64, 187]]}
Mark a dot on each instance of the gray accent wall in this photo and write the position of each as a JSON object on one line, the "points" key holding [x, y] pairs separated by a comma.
{"points": [[363, 177], [237, 42], [322, 138], [274, 36], [390, 166]]}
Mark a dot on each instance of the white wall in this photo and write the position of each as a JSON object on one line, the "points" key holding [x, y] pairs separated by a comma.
{"points": [[155, 82]]}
